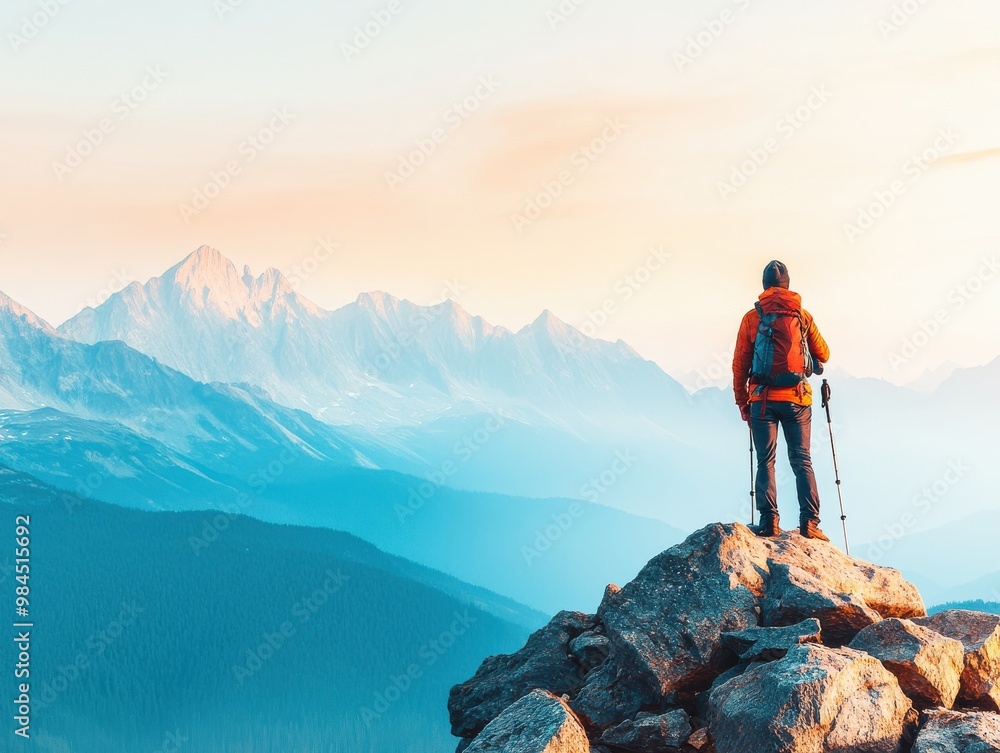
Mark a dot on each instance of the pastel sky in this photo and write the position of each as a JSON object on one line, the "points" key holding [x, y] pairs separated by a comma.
{"points": [[811, 112]]}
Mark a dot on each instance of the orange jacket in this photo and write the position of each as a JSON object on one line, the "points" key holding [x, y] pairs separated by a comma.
{"points": [[743, 355]]}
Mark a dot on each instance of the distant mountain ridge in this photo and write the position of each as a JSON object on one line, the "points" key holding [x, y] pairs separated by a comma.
{"points": [[348, 366]]}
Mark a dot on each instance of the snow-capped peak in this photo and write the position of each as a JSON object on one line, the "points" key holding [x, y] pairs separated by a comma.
{"points": [[206, 279]]}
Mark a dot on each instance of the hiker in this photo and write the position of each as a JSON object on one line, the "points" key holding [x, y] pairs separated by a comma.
{"points": [[778, 348]]}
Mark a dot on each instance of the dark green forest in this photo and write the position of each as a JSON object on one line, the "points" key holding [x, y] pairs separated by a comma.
{"points": [[977, 605], [268, 639]]}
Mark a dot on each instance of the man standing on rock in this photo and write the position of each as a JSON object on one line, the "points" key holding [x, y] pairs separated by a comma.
{"points": [[778, 348]]}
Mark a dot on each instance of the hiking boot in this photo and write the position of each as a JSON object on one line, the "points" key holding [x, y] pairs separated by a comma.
{"points": [[810, 530], [768, 527]]}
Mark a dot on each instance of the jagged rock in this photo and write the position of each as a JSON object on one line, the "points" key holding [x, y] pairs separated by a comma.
{"points": [[651, 733], [700, 740], [590, 649], [669, 619], [703, 699], [544, 662], [794, 593], [980, 635], [537, 723], [952, 732], [927, 664], [664, 628], [769, 644], [611, 694], [814, 700], [610, 592]]}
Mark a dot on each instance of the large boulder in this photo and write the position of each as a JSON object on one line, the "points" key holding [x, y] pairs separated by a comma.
{"points": [[952, 732], [537, 723], [664, 626], [651, 733], [927, 664], [545, 662], [793, 593], [768, 644], [814, 700], [979, 633], [656, 643], [614, 692]]}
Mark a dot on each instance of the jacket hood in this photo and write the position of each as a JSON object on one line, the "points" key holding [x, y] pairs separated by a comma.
{"points": [[780, 294]]}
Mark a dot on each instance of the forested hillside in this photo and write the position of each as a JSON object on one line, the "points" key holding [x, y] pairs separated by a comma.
{"points": [[267, 638]]}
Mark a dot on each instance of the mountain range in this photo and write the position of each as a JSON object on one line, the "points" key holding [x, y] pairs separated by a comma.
{"points": [[107, 422], [351, 366], [205, 375]]}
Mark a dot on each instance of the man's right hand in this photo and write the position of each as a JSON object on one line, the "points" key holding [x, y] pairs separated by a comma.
{"points": [[745, 412]]}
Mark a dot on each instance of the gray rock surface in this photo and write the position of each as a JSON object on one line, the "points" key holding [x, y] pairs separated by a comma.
{"points": [[590, 649], [980, 635], [537, 723], [651, 733], [769, 644], [544, 662], [814, 700], [927, 664], [952, 732], [662, 641]]}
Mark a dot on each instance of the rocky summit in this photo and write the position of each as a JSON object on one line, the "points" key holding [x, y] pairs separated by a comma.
{"points": [[730, 643]]}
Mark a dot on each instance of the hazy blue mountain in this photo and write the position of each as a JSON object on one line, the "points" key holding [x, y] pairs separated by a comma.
{"points": [[412, 383], [124, 428], [112, 382], [273, 638]]}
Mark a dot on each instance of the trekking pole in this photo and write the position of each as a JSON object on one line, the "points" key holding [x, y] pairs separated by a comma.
{"points": [[753, 493], [836, 469]]}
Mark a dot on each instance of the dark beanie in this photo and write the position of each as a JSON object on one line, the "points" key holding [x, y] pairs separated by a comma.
{"points": [[775, 275]]}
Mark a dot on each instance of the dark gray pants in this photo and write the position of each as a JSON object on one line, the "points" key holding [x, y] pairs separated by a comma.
{"points": [[796, 423]]}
